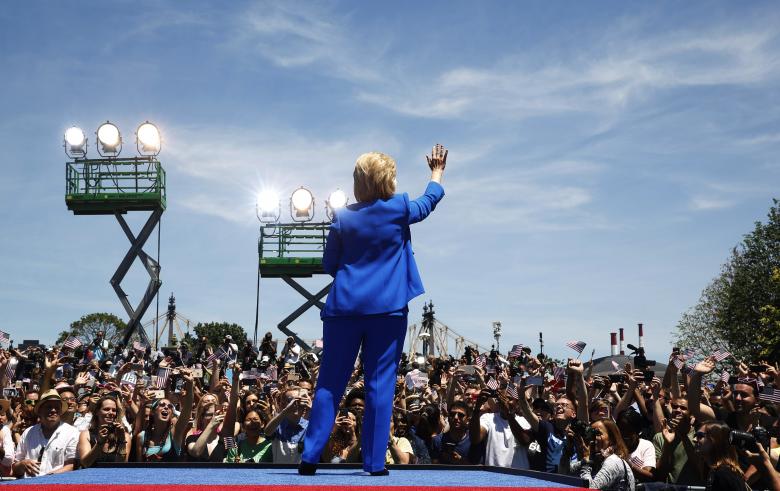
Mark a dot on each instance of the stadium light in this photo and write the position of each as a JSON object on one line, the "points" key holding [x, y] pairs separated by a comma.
{"points": [[336, 200], [268, 207], [75, 142], [147, 139], [302, 205], [109, 142]]}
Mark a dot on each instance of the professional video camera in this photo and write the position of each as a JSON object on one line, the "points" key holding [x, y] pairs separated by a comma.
{"points": [[640, 360], [747, 440], [587, 432]]}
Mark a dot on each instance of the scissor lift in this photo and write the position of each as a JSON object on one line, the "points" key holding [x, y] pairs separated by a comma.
{"points": [[289, 251], [116, 186]]}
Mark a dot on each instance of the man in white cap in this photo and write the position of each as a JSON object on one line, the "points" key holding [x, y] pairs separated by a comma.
{"points": [[48, 447]]}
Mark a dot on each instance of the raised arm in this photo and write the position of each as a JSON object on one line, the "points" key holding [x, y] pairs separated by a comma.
{"points": [[700, 411], [180, 430], [525, 408], [421, 207]]}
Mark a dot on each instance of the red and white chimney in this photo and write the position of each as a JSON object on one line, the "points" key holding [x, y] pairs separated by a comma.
{"points": [[613, 342], [641, 336], [622, 353]]}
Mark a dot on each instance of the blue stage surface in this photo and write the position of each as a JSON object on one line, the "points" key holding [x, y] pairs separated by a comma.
{"points": [[242, 476]]}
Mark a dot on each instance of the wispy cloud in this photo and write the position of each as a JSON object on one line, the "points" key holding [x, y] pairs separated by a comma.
{"points": [[704, 203]]}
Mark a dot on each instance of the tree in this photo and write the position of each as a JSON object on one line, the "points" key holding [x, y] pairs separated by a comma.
{"points": [[86, 328], [741, 308], [215, 332]]}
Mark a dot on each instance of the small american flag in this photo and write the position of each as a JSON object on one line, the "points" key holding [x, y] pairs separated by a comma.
{"points": [[10, 369], [577, 346], [318, 343], [721, 355], [637, 461], [220, 353], [559, 373], [229, 442], [689, 353], [725, 376], [72, 343], [129, 378], [678, 363], [481, 361], [770, 394], [492, 384], [517, 350], [5, 339], [271, 371], [512, 392], [615, 365], [162, 377]]}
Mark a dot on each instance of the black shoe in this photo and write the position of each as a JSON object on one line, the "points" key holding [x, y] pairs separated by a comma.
{"points": [[307, 469], [383, 472]]}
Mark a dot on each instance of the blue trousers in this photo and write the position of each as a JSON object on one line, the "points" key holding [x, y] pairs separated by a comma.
{"points": [[382, 338]]}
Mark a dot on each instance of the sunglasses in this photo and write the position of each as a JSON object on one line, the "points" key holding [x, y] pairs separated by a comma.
{"points": [[30, 402], [458, 415], [165, 405]]}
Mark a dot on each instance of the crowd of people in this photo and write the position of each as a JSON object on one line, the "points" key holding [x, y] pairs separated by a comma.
{"points": [[79, 403]]}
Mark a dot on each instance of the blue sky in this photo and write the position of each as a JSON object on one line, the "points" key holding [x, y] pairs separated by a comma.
{"points": [[604, 157]]}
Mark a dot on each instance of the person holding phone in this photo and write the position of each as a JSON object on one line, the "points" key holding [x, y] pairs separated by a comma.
{"points": [[288, 427], [369, 254], [453, 447], [106, 439]]}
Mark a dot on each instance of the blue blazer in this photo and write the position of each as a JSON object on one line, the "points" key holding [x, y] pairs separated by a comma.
{"points": [[369, 254]]}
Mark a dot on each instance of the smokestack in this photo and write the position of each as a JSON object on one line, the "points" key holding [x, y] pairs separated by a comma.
{"points": [[641, 336], [613, 342], [622, 353]]}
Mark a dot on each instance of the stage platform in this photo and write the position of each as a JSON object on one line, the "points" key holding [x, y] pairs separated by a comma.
{"points": [[259, 477]]}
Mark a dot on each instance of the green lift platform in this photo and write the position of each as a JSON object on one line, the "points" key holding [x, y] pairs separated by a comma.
{"points": [[116, 186], [289, 251]]}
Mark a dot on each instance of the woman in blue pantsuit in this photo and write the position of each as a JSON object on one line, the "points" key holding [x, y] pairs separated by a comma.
{"points": [[369, 254]]}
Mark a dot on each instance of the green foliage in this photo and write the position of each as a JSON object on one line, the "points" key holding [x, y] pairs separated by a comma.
{"points": [[215, 332], [740, 308], [87, 327]]}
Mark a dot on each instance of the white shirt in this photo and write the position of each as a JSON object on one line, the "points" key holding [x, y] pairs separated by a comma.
{"points": [[82, 422], [59, 448], [501, 449], [409, 378], [645, 451], [8, 447]]}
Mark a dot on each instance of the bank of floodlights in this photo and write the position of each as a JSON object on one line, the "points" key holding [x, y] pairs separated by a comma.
{"points": [[268, 207], [336, 200], [109, 141], [75, 142]]}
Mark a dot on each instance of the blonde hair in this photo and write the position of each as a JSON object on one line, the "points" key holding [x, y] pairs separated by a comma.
{"points": [[374, 176]]}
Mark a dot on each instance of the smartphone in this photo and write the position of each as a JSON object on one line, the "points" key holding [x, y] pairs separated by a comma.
{"points": [[158, 394], [197, 372], [448, 446], [618, 378], [343, 412], [248, 381], [293, 377], [469, 369], [534, 381], [648, 376], [10, 393], [758, 368]]}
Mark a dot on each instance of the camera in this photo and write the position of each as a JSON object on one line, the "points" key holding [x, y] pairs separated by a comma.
{"points": [[640, 360], [744, 440], [587, 432]]}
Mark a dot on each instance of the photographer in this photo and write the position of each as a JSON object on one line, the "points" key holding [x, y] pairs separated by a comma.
{"points": [[603, 451], [106, 439], [718, 459]]}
